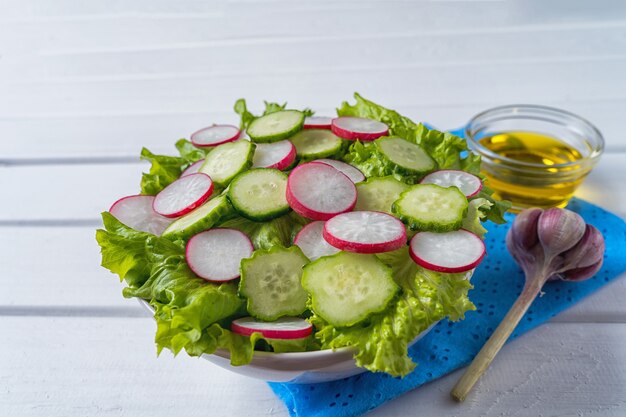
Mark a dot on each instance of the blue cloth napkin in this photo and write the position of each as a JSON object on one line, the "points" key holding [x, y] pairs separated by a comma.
{"points": [[497, 283]]}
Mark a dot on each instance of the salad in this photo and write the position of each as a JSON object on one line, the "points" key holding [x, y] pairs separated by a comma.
{"points": [[295, 232]]}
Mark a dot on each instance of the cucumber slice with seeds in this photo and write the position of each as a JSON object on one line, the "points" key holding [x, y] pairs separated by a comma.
{"points": [[405, 157], [270, 280], [275, 126], [378, 194], [228, 160], [259, 194], [347, 287], [429, 207], [203, 218], [316, 143]]}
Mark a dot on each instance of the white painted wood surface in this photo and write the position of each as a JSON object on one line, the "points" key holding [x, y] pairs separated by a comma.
{"points": [[85, 84]]}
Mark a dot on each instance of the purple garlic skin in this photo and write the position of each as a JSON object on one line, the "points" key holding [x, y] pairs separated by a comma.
{"points": [[585, 258], [555, 244]]}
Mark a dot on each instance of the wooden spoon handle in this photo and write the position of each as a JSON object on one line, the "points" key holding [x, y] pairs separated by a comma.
{"points": [[481, 362]]}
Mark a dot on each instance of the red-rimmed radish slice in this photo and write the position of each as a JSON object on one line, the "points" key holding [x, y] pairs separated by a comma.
{"points": [[193, 168], [215, 255], [136, 212], [353, 128], [283, 328], [312, 243], [469, 184], [353, 173], [457, 251], [279, 155], [317, 122], [365, 232], [183, 195], [318, 191], [215, 135]]}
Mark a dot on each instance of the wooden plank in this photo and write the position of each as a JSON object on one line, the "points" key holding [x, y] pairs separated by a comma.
{"points": [[56, 270], [42, 190], [433, 85], [108, 367], [129, 55], [492, 13], [558, 369], [66, 193]]}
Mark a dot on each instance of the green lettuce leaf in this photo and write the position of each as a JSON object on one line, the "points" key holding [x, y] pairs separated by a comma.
{"points": [[293, 345], [445, 148], [191, 313], [382, 341], [476, 212], [189, 153], [448, 150], [166, 169], [266, 235], [498, 207], [398, 124], [130, 253]]}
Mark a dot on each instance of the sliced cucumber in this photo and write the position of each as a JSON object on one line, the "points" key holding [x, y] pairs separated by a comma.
{"points": [[316, 143], [378, 194], [259, 194], [405, 157], [203, 218], [347, 287], [228, 160], [275, 126], [429, 207], [270, 280]]}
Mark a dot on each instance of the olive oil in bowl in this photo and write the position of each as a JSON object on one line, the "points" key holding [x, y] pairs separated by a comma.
{"points": [[545, 156], [534, 156]]}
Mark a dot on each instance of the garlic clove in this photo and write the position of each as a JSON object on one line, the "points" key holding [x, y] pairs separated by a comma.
{"points": [[579, 274], [524, 229], [588, 251], [559, 230]]}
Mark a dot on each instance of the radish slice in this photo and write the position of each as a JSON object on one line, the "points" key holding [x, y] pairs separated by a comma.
{"points": [[283, 328], [136, 212], [318, 122], [365, 232], [183, 195], [313, 245], [215, 255], [469, 184], [354, 128], [215, 135], [318, 191], [353, 173], [457, 251], [193, 168], [279, 155]]}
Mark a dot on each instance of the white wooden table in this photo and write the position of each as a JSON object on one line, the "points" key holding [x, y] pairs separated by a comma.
{"points": [[85, 84]]}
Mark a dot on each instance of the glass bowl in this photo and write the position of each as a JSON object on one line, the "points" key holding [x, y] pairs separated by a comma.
{"points": [[535, 184]]}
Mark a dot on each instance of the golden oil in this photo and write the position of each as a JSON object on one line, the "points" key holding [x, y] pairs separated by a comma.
{"points": [[540, 180]]}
